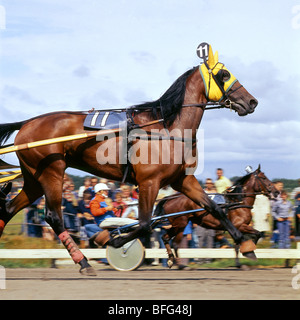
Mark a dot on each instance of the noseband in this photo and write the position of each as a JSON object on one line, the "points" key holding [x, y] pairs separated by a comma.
{"points": [[227, 103]]}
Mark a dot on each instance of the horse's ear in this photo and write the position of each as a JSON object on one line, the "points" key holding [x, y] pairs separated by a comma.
{"points": [[216, 57], [258, 169], [211, 60]]}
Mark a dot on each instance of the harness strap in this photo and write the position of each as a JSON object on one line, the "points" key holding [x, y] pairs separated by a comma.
{"points": [[161, 137]]}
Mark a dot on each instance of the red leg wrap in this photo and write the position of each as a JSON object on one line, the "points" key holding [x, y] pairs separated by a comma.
{"points": [[2, 225], [71, 246]]}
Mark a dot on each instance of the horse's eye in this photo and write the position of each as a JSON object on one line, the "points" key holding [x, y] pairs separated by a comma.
{"points": [[225, 75]]}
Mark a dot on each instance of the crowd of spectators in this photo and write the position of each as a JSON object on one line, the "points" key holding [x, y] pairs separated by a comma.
{"points": [[98, 198]]}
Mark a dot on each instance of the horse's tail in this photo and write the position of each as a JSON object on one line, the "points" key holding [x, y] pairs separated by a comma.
{"points": [[7, 129]]}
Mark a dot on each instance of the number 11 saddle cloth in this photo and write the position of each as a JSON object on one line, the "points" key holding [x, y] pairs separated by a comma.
{"points": [[101, 120]]}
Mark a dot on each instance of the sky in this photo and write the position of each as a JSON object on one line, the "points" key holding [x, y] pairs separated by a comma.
{"points": [[76, 55]]}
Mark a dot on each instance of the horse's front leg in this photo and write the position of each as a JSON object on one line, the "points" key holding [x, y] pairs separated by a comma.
{"points": [[166, 238], [177, 241], [147, 194]]}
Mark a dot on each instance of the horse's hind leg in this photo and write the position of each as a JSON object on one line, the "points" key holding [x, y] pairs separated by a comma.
{"points": [[31, 191], [237, 260], [148, 191], [52, 184]]}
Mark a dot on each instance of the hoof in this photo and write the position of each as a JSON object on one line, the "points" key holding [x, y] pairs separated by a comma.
{"points": [[170, 264], [116, 242], [250, 255], [88, 271], [244, 267], [5, 190], [184, 267], [247, 246]]}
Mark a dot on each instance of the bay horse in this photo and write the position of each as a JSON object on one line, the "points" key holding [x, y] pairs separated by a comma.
{"points": [[181, 107], [239, 202]]}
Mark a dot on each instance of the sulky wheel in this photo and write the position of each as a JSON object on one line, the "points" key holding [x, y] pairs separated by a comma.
{"points": [[127, 258]]}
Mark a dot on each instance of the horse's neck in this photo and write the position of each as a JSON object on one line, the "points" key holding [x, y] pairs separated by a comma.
{"points": [[189, 118], [249, 198]]}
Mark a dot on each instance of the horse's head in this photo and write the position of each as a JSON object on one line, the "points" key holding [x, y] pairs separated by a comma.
{"points": [[221, 85], [263, 185], [253, 183]]}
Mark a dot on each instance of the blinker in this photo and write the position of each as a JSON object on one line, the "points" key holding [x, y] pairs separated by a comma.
{"points": [[211, 69]]}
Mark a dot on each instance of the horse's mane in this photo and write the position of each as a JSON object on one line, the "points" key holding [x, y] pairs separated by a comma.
{"points": [[237, 186], [171, 101], [241, 180]]}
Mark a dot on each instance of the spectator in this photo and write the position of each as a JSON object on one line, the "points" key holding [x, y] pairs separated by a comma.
{"points": [[261, 212], [112, 190], [210, 186], [205, 240], [275, 234], [126, 194], [94, 181], [99, 209], [86, 186], [282, 212], [119, 205], [222, 183], [47, 231], [221, 241], [132, 211], [35, 219], [84, 216], [70, 204], [296, 195], [211, 190], [186, 242], [84, 212]]}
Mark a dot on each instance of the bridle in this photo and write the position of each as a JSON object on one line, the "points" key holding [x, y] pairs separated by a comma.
{"points": [[227, 103], [259, 184], [263, 188]]}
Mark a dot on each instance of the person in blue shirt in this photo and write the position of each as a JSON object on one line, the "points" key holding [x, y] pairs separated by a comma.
{"points": [[282, 212]]}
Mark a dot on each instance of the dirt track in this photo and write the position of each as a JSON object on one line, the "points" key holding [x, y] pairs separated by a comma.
{"points": [[149, 283]]}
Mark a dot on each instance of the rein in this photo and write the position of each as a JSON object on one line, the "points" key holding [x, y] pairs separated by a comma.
{"points": [[215, 105]]}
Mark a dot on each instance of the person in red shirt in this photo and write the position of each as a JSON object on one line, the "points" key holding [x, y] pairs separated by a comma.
{"points": [[119, 205], [101, 207]]}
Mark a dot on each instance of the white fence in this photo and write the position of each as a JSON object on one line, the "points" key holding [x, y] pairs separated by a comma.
{"points": [[149, 253]]}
